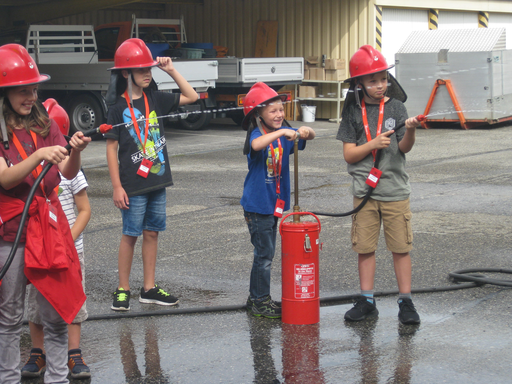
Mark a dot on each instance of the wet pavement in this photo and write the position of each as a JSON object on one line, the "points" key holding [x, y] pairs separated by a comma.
{"points": [[461, 202]]}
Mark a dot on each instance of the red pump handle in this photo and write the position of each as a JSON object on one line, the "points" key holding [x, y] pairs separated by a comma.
{"points": [[302, 214]]}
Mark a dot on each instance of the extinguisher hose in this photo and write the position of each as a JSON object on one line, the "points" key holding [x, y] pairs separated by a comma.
{"points": [[102, 129]]}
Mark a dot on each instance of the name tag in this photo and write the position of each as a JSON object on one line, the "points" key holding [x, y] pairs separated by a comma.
{"points": [[144, 168], [373, 177]]}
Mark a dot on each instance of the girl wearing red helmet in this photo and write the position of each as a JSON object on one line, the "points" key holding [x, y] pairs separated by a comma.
{"points": [[370, 116], [266, 192], [138, 161], [29, 139]]}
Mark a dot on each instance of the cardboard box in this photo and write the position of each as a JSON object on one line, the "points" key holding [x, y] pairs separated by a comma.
{"points": [[306, 74], [334, 64], [335, 74], [311, 62], [316, 74], [307, 91]]}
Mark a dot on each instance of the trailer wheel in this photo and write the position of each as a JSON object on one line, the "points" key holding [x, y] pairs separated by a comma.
{"points": [[85, 113], [197, 121]]}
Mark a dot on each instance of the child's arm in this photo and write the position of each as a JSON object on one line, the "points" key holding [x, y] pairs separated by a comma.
{"points": [[84, 213], [263, 141], [306, 133], [70, 166], [120, 197], [10, 177], [354, 153], [409, 138], [188, 95]]}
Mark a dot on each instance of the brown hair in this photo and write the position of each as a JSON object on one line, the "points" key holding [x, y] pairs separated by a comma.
{"points": [[37, 121]]}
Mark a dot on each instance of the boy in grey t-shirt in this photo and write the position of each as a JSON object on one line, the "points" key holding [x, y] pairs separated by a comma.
{"points": [[368, 124]]}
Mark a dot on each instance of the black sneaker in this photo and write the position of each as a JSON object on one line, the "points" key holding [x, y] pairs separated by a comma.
{"points": [[266, 308], [36, 364], [157, 296], [77, 368], [121, 300], [407, 313], [361, 310]]}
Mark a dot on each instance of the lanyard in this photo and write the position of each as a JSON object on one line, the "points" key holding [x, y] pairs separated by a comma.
{"points": [[134, 120], [277, 164], [23, 154], [379, 125]]}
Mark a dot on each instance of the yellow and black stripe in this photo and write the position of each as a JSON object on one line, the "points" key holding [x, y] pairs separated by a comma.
{"points": [[483, 19], [378, 28], [433, 15]]}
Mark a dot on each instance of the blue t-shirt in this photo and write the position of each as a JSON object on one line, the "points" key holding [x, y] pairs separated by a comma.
{"points": [[260, 183]]}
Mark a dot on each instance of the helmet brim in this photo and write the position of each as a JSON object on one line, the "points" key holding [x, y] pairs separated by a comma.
{"points": [[154, 64], [367, 73], [41, 79], [247, 118]]}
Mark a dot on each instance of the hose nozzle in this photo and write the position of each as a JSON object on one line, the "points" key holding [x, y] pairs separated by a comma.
{"points": [[421, 117]]}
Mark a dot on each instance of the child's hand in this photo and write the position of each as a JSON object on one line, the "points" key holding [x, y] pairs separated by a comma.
{"points": [[165, 63], [383, 140], [304, 133], [290, 134], [78, 141], [121, 199], [412, 123], [54, 154]]}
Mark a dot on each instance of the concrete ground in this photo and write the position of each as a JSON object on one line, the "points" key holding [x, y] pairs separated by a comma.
{"points": [[461, 202]]}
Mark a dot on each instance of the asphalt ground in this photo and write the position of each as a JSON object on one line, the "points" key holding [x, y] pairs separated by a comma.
{"points": [[462, 218]]}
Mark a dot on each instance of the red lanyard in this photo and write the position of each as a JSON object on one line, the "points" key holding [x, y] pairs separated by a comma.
{"points": [[379, 125], [277, 164], [23, 154], [134, 120]]}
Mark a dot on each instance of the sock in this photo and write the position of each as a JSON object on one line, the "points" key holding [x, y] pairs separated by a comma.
{"points": [[368, 295], [402, 296]]}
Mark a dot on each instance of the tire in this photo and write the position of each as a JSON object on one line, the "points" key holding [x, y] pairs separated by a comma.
{"points": [[85, 113], [197, 121]]}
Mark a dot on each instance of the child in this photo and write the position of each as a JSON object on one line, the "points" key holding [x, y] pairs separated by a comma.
{"points": [[138, 162], [31, 138], [362, 121], [266, 192], [71, 193]]}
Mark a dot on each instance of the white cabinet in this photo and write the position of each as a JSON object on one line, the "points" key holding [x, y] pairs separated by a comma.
{"points": [[337, 98]]}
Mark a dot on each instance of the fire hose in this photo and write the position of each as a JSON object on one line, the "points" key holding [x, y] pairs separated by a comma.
{"points": [[104, 128]]}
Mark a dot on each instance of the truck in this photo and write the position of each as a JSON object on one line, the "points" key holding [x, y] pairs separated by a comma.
{"points": [[77, 57]]}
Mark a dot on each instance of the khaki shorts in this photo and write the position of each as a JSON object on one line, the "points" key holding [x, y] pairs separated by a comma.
{"points": [[396, 219]]}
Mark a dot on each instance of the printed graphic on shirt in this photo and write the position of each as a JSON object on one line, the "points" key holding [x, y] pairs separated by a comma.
{"points": [[271, 172], [390, 124], [154, 143]]}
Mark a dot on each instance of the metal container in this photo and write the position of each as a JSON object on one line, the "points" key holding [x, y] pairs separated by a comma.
{"points": [[476, 64]]}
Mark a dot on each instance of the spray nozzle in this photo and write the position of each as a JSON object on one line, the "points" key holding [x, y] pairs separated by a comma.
{"points": [[421, 117]]}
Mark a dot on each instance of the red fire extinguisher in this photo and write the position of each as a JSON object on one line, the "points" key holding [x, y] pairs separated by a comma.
{"points": [[300, 246]]}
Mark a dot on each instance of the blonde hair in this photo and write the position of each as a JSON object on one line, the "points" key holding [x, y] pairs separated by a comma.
{"points": [[37, 121]]}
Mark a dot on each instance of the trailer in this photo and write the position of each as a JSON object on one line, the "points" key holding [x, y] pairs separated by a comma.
{"points": [[457, 76]]}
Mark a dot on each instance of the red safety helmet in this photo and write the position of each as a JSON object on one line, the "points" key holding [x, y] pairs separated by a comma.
{"points": [[58, 114], [366, 61], [17, 68], [259, 94], [133, 53]]}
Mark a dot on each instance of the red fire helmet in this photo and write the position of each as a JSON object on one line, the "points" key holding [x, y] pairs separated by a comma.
{"points": [[259, 94], [58, 114], [366, 61], [17, 68], [133, 53]]}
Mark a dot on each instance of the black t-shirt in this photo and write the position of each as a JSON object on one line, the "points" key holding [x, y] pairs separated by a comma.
{"points": [[130, 153]]}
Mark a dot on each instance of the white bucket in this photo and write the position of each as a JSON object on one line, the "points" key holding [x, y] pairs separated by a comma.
{"points": [[308, 113]]}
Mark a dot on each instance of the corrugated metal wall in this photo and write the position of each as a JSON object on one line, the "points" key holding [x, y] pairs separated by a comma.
{"points": [[335, 28]]}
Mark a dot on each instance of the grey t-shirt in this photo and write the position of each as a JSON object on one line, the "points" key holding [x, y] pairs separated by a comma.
{"points": [[394, 182]]}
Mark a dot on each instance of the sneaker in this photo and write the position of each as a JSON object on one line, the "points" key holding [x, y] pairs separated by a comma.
{"points": [[266, 308], [157, 296], [36, 364], [361, 310], [77, 368], [407, 313], [121, 300]]}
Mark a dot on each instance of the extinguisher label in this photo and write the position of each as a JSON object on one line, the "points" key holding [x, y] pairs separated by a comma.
{"points": [[304, 281]]}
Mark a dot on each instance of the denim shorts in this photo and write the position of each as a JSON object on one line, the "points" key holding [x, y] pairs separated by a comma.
{"points": [[145, 213]]}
